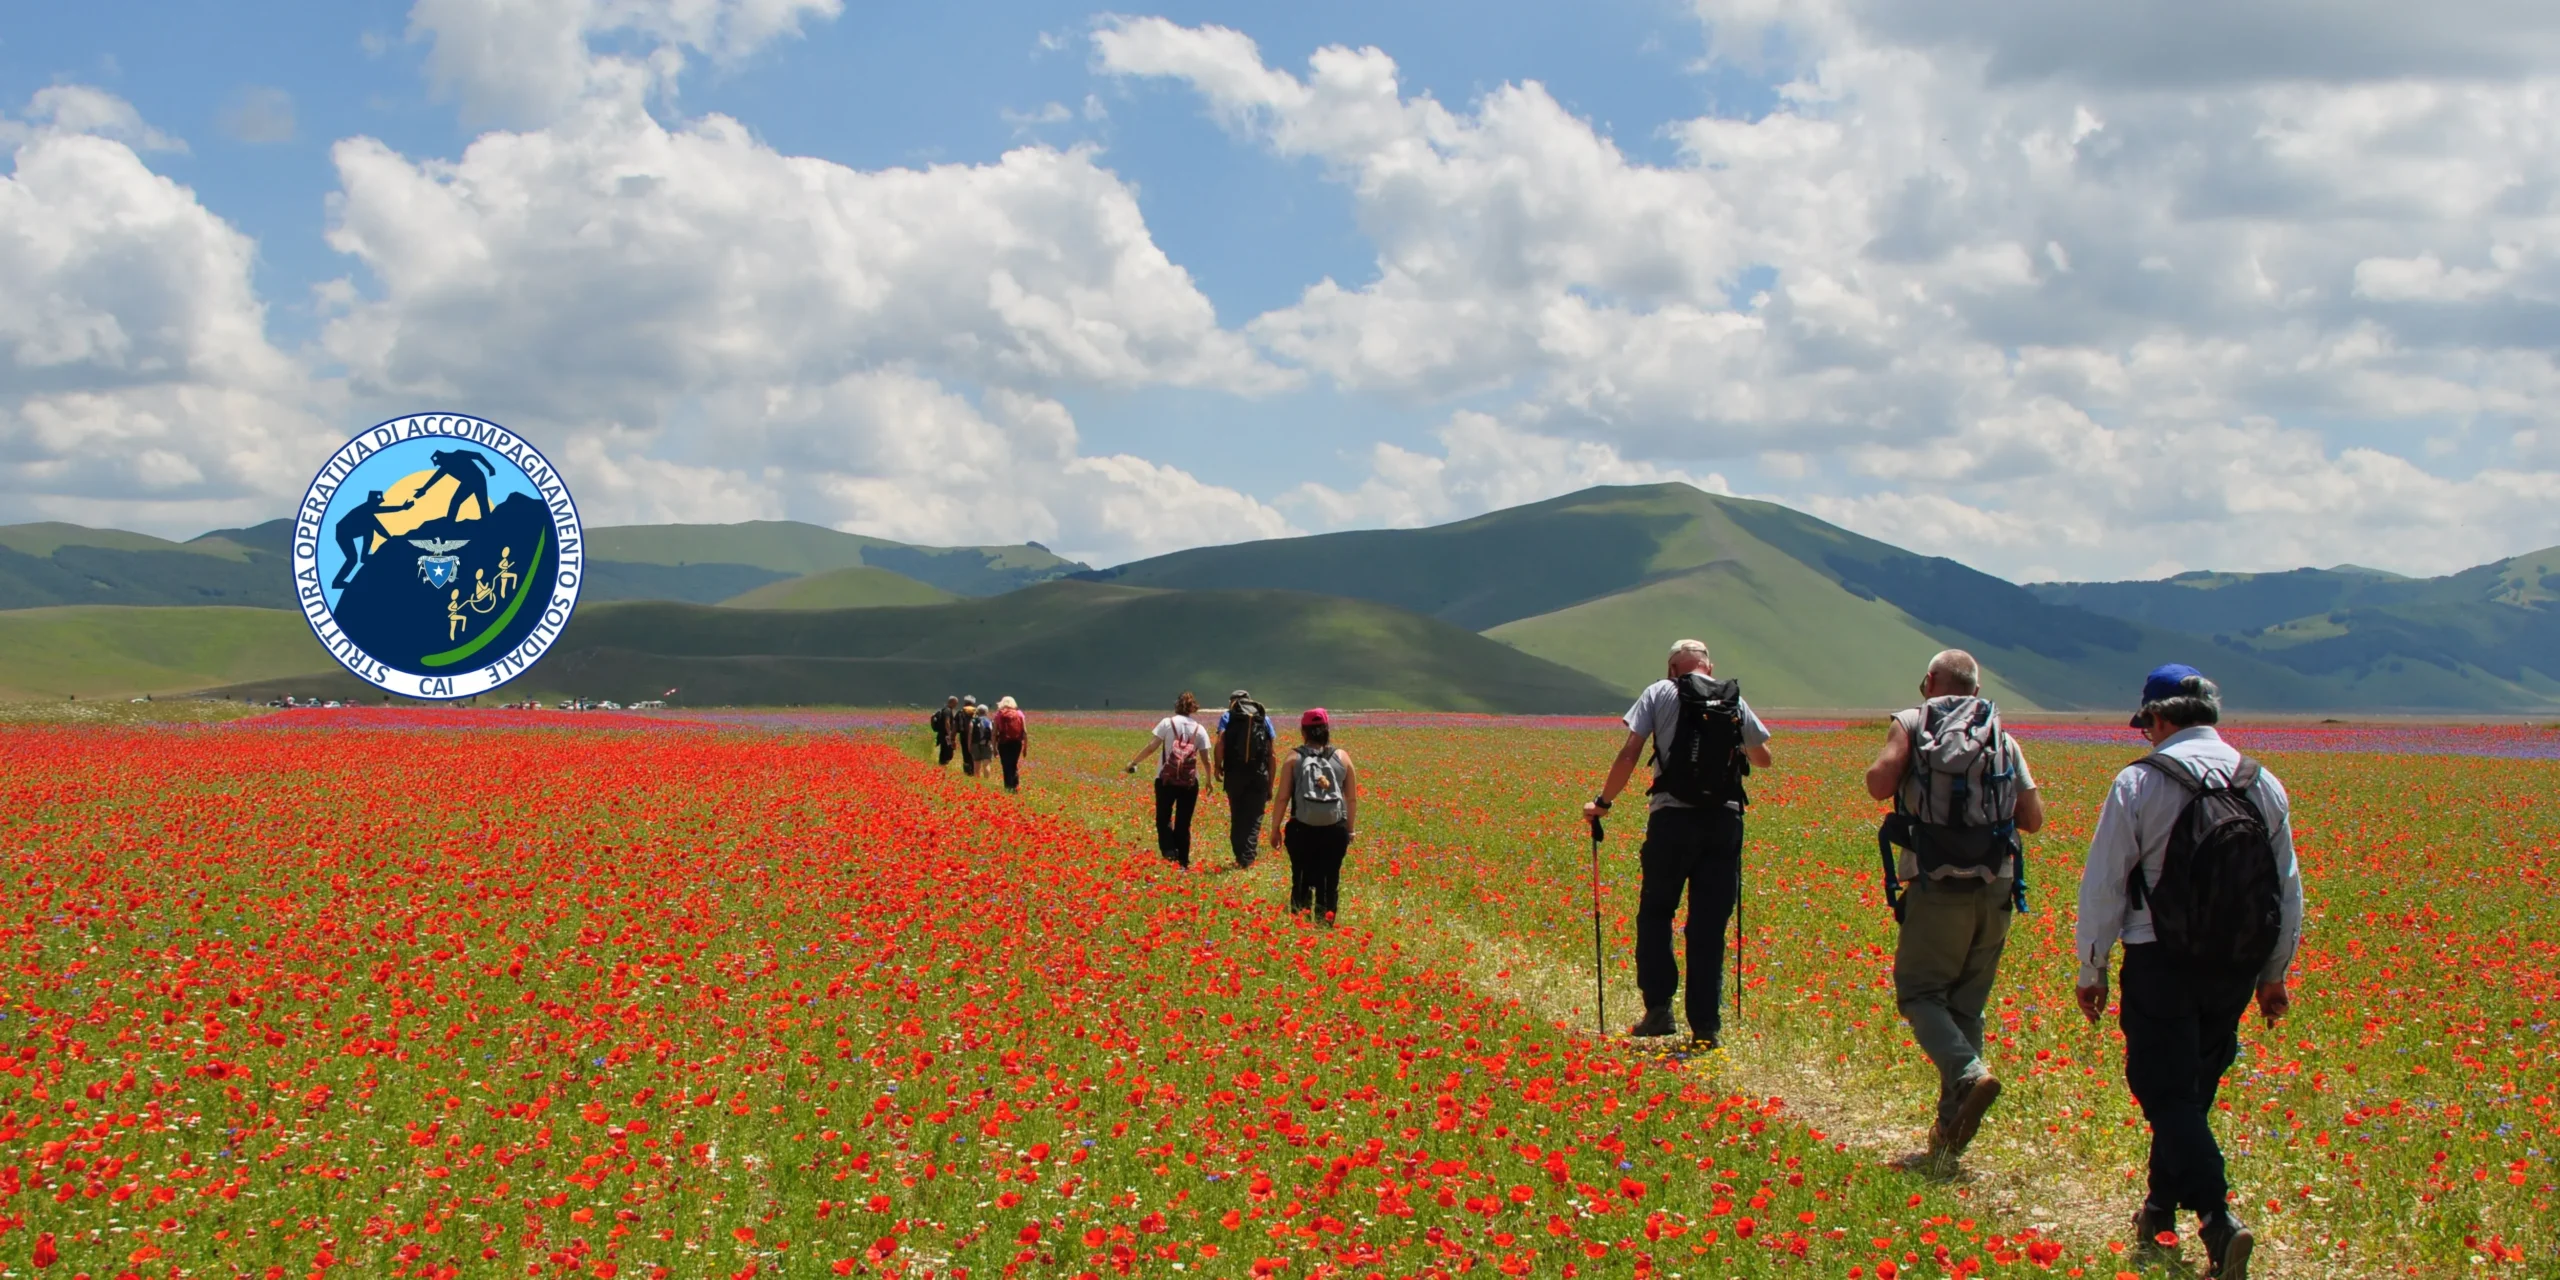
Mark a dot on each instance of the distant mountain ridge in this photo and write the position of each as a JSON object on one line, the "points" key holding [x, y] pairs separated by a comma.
{"points": [[2497, 623], [1054, 645], [791, 549], [1806, 613], [1578, 593], [52, 564]]}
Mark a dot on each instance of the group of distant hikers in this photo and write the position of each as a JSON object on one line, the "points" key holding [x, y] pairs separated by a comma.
{"points": [[1311, 795], [2191, 867], [983, 737]]}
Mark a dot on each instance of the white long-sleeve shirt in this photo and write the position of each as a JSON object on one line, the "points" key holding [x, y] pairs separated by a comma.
{"points": [[2141, 809]]}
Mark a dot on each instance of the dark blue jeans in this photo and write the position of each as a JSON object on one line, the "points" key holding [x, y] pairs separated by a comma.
{"points": [[2180, 1034], [1697, 852], [1173, 820]]}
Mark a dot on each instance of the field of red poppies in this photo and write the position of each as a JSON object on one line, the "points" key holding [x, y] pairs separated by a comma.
{"points": [[443, 994]]}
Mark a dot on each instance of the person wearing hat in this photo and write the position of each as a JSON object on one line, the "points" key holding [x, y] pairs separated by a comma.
{"points": [[1245, 743], [1314, 810], [2181, 1021]]}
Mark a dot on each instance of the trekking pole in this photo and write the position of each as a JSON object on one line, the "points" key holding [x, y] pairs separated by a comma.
{"points": [[1599, 983], [1738, 936]]}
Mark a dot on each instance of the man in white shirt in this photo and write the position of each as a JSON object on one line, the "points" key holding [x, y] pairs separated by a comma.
{"points": [[2181, 1027], [1696, 848]]}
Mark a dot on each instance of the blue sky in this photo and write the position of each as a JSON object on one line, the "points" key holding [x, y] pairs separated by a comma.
{"points": [[2094, 295]]}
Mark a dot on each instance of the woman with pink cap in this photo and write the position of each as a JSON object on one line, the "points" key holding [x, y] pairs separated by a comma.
{"points": [[1313, 810]]}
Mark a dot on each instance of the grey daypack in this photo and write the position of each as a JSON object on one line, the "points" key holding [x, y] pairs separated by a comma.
{"points": [[1317, 800], [1960, 791]]}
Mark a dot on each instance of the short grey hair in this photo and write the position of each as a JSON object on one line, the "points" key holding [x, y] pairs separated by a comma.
{"points": [[2198, 701], [1957, 668], [1698, 647]]}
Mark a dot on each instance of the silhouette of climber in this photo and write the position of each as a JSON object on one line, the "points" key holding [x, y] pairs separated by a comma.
{"points": [[358, 528], [470, 471]]}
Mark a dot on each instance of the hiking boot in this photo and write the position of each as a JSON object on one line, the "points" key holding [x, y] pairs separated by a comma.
{"points": [[2227, 1242], [1977, 1099], [1656, 1022], [1703, 1040], [1936, 1161], [2150, 1223]]}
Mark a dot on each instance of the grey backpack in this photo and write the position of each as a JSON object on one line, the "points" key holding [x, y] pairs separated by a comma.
{"points": [[1960, 791], [1317, 800]]}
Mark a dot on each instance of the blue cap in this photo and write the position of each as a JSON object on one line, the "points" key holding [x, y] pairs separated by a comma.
{"points": [[2165, 681]]}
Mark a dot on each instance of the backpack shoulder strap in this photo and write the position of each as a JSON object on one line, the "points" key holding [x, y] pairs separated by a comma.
{"points": [[2245, 777], [2174, 769]]}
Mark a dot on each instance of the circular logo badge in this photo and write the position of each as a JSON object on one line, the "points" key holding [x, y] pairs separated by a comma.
{"points": [[437, 555]]}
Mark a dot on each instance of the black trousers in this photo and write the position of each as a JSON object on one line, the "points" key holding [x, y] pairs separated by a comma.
{"points": [[1011, 754], [1697, 851], [1246, 799], [1173, 820], [946, 748], [2180, 1034], [1315, 867]]}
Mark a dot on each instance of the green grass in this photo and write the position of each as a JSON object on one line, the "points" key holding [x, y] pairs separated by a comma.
{"points": [[858, 587], [99, 651]]}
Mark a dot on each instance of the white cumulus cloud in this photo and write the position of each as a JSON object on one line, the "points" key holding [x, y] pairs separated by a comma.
{"points": [[2033, 260]]}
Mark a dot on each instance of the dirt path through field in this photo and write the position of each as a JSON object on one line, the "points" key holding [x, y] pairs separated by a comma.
{"points": [[2005, 1172]]}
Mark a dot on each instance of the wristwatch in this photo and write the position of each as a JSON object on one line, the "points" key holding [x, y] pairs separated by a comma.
{"points": [[1602, 802]]}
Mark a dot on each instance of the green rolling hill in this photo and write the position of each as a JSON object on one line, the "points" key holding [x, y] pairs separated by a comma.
{"points": [[1563, 604], [1056, 645], [791, 549], [857, 587], [120, 651], [52, 564], [2487, 637], [1806, 613]]}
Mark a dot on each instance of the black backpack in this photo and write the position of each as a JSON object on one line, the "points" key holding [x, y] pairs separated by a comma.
{"points": [[1705, 765], [2219, 907], [1245, 746]]}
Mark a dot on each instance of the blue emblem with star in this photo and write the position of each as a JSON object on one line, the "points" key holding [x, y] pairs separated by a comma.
{"points": [[439, 567]]}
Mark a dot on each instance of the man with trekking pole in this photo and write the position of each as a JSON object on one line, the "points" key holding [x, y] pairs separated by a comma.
{"points": [[1705, 740], [1954, 874], [2192, 867]]}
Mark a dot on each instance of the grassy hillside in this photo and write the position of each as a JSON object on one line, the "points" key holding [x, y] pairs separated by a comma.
{"points": [[689, 583], [859, 587], [1791, 643], [2485, 638], [1477, 573], [96, 651], [791, 548], [1057, 645], [45, 565]]}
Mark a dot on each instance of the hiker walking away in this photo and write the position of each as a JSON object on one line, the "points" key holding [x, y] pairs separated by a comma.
{"points": [[2192, 867], [960, 734], [982, 741], [1313, 812], [1705, 741], [1013, 740], [1245, 742], [1185, 760], [946, 726], [1961, 796]]}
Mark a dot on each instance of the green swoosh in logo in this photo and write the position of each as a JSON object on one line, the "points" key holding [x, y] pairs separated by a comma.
{"points": [[531, 567]]}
